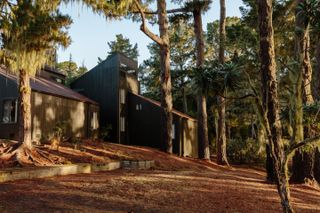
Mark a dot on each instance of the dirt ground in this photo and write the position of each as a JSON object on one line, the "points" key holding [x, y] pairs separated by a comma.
{"points": [[175, 185]]}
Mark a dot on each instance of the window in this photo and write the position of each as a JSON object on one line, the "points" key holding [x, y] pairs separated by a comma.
{"points": [[122, 124], [138, 107], [55, 79], [123, 65], [9, 113], [59, 80], [122, 96], [131, 71], [94, 120]]}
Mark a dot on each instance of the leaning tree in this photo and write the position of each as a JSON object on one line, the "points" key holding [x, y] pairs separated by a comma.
{"points": [[269, 106]]}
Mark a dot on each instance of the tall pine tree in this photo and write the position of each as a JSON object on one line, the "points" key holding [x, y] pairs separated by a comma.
{"points": [[29, 30]]}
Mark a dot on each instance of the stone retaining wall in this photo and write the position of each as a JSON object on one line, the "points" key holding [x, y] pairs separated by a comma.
{"points": [[42, 172]]}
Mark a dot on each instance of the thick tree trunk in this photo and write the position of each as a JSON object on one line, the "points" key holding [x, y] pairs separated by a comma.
{"points": [[270, 101], [271, 175], [303, 161], [166, 96], [164, 44], [303, 166], [204, 152], [222, 140], [24, 109], [317, 165], [317, 72], [222, 32]]}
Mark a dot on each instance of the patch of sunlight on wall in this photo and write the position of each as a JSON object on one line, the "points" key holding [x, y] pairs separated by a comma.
{"points": [[37, 100], [132, 84], [37, 133], [50, 114], [78, 119], [189, 138]]}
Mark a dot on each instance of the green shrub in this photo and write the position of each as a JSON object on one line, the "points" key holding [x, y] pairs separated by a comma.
{"points": [[105, 132], [245, 151], [59, 130]]}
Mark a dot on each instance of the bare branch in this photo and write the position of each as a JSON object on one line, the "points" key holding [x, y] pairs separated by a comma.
{"points": [[309, 141], [238, 98], [144, 28], [177, 10]]}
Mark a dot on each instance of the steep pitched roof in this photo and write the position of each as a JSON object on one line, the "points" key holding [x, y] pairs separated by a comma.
{"points": [[42, 85], [174, 111]]}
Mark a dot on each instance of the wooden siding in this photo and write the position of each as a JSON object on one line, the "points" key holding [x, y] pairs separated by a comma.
{"points": [[48, 111], [144, 123], [132, 84], [189, 139], [101, 84], [128, 62]]}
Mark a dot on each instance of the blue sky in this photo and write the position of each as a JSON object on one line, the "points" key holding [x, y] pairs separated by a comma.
{"points": [[90, 32]]}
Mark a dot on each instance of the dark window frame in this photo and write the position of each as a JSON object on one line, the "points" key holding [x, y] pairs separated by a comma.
{"points": [[3, 101]]}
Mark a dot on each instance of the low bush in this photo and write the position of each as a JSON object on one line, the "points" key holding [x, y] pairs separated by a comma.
{"points": [[247, 151]]}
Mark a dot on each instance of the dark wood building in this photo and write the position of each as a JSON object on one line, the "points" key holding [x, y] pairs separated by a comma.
{"points": [[135, 120], [51, 103]]}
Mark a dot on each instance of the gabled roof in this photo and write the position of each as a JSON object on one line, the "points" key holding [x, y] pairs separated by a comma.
{"points": [[42, 85], [174, 111]]}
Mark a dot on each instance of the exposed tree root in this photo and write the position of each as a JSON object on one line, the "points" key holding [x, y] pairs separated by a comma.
{"points": [[14, 155], [312, 183]]}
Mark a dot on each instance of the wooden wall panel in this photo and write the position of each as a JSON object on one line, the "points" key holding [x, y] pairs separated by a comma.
{"points": [[190, 139], [101, 84], [48, 111]]}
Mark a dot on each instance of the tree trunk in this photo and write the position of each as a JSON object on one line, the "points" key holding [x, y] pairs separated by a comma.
{"points": [[307, 69], [24, 109], [271, 175], [303, 166], [166, 95], [317, 165], [261, 138], [270, 101], [317, 72], [222, 32], [303, 161], [317, 97], [222, 140], [184, 99], [204, 152]]}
